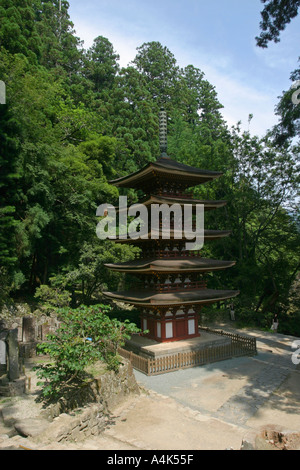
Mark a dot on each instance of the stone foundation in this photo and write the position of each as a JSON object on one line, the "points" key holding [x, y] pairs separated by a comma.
{"points": [[149, 348], [86, 414], [108, 390], [89, 421]]}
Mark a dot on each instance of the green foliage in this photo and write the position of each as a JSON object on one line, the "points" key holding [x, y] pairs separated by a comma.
{"points": [[53, 295], [91, 277], [74, 120], [275, 16], [289, 320], [101, 64], [86, 335], [9, 177]]}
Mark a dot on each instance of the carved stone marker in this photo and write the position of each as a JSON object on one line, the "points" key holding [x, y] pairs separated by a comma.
{"points": [[13, 355], [29, 327], [11, 384], [44, 330], [2, 357]]}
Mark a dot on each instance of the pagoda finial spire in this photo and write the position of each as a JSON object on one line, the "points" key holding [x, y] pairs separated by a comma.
{"points": [[163, 133]]}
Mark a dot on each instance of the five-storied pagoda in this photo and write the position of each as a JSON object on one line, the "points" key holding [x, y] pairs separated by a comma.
{"points": [[171, 287]]}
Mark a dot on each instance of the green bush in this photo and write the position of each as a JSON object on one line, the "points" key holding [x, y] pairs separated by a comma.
{"points": [[86, 335], [52, 296]]}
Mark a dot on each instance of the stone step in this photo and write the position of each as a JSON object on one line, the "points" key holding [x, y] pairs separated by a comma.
{"points": [[4, 391], [31, 427], [13, 388]]}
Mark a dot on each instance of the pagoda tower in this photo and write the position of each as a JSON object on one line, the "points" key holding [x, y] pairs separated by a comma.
{"points": [[171, 288]]}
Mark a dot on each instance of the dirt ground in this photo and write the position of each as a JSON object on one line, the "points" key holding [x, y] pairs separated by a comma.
{"points": [[211, 407]]}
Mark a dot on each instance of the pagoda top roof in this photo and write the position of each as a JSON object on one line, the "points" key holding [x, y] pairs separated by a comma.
{"points": [[165, 169], [170, 265], [150, 298]]}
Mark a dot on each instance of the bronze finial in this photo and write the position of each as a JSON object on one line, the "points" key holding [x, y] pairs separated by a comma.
{"points": [[163, 132]]}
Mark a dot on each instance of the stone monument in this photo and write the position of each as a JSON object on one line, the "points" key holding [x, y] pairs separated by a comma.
{"points": [[11, 381]]}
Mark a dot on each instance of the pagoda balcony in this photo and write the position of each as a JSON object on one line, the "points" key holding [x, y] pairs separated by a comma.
{"points": [[175, 194], [163, 287], [176, 254], [169, 253], [161, 254]]}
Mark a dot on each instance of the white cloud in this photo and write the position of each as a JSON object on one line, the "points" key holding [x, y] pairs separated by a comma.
{"points": [[125, 47], [236, 92], [241, 99]]}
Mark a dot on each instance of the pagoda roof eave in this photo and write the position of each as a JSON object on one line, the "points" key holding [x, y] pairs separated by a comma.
{"points": [[165, 166], [192, 297], [169, 265], [154, 199], [208, 235]]}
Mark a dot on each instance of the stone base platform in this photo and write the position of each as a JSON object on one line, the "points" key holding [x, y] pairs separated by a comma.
{"points": [[150, 349]]}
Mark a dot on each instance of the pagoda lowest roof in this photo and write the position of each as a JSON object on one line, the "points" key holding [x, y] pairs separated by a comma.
{"points": [[148, 298], [169, 265], [165, 167]]}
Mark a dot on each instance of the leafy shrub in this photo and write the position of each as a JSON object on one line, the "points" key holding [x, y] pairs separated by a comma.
{"points": [[52, 296], [86, 335]]}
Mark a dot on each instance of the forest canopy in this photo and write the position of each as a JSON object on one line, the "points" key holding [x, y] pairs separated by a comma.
{"points": [[74, 119]]}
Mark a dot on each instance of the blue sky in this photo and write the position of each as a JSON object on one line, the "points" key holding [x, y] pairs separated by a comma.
{"points": [[216, 36]]}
